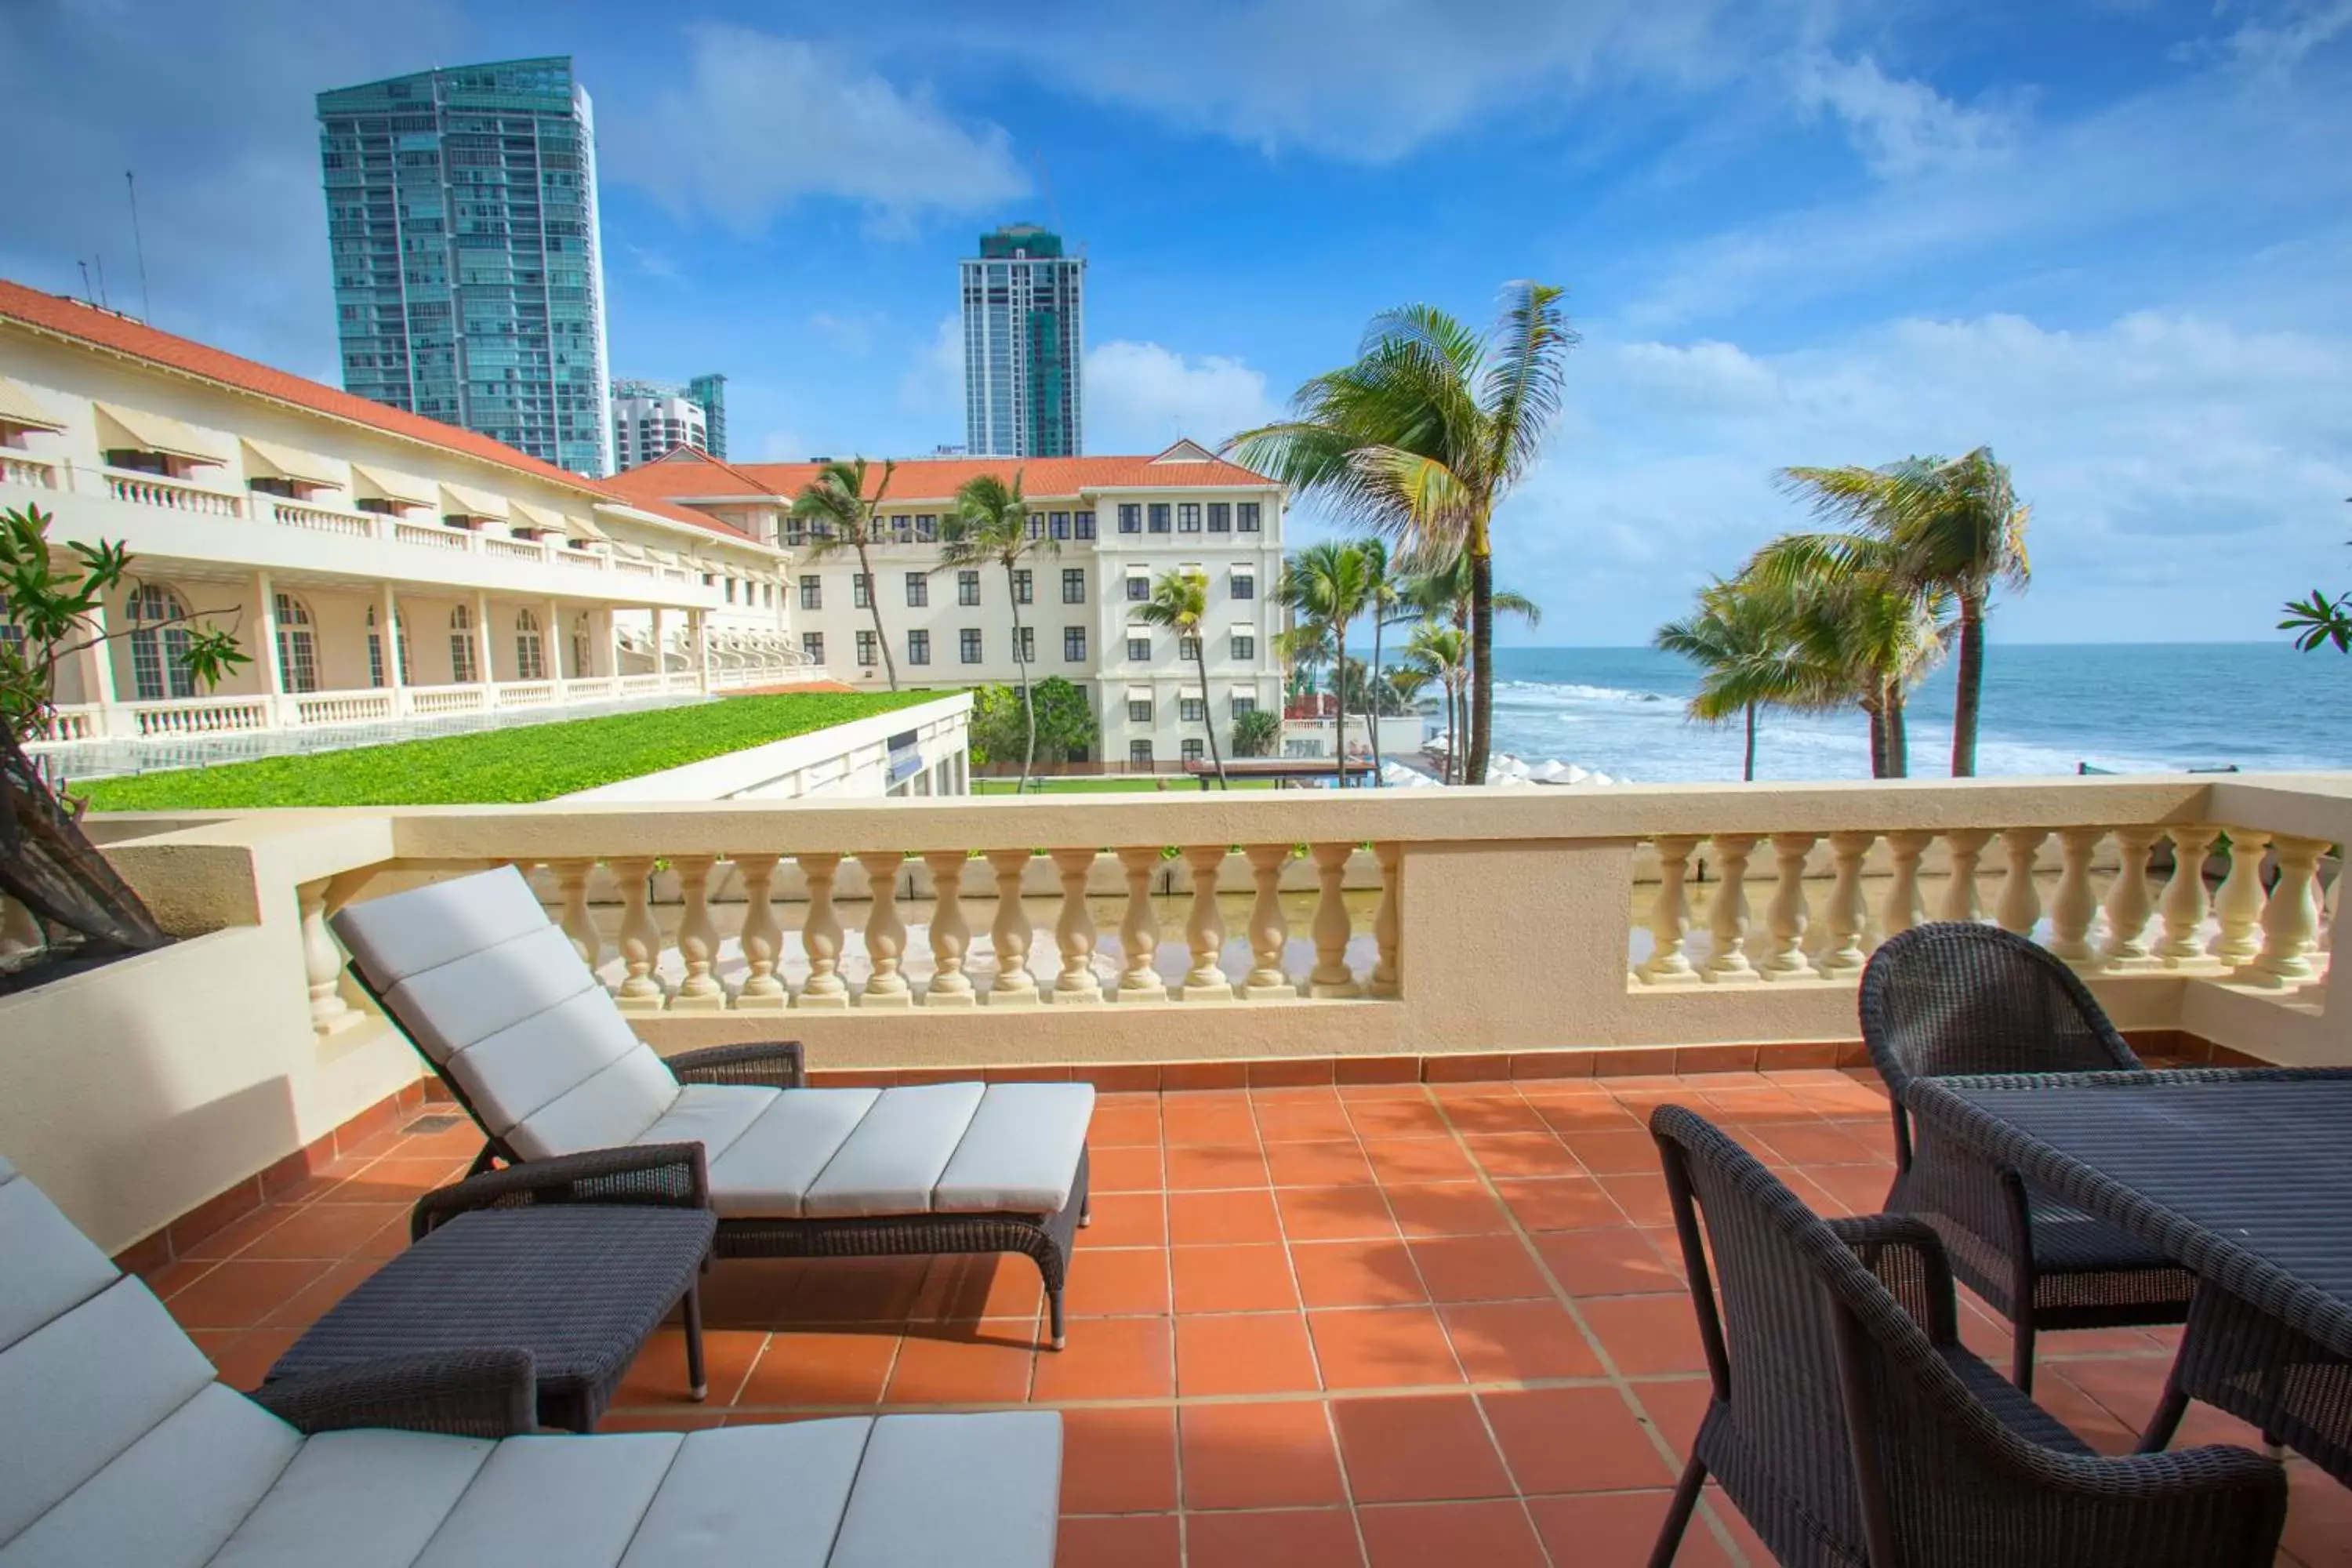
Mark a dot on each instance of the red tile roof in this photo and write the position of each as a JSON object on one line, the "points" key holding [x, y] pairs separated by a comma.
{"points": [[71, 318], [690, 473]]}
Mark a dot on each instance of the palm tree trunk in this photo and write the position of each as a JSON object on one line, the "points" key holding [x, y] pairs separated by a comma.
{"points": [[1020, 663], [1898, 735], [874, 608], [1371, 698], [1208, 718], [1969, 697], [1339, 708], [1874, 709], [1482, 655], [1749, 775]]}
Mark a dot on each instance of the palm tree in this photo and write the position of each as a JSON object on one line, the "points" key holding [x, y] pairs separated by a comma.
{"points": [[1384, 596], [1179, 600], [843, 517], [1861, 624], [1749, 640], [1444, 652], [991, 523], [1953, 526], [1325, 586], [1439, 591], [1424, 434]]}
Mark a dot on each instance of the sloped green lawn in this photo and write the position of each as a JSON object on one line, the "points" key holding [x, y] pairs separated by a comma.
{"points": [[496, 767]]}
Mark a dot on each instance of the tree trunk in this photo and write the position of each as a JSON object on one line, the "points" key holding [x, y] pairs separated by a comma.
{"points": [[874, 608], [50, 866], [1875, 711], [1020, 663], [1339, 707], [1970, 695], [1208, 718], [1898, 735], [1749, 775], [1371, 697], [1482, 656]]}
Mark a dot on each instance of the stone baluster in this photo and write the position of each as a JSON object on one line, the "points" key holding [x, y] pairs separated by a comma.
{"points": [[2185, 901], [1387, 978], [1728, 923], [762, 940], [821, 935], [1075, 930], [2130, 902], [1904, 908], [1331, 979], [886, 933], [2073, 906], [1204, 928], [1013, 984], [572, 885], [1967, 846], [2020, 910], [1848, 916], [949, 986], [2239, 905], [2291, 918], [1670, 915], [641, 989], [698, 939], [1269, 931], [1139, 934], [19, 931], [1785, 917], [323, 963]]}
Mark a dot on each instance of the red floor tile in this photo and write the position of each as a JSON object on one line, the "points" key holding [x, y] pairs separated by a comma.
{"points": [[1211, 1167], [1397, 1119], [1382, 1347], [1568, 1203], [1377, 1273], [1512, 1342], [1333, 1214], [1118, 1461], [859, 1290], [1328, 1164], [1449, 1534], [1259, 1455], [1401, 1161], [1642, 1195], [1504, 1155], [1119, 1283], [1478, 1268], [1613, 1150], [1254, 1278], [1206, 1219], [1126, 1219], [1142, 1541], [1617, 1530], [1675, 1407], [1573, 1440], [821, 1369], [239, 1294], [1304, 1121], [1248, 1354], [1309, 1538], [1446, 1208], [659, 1375], [1613, 1262], [1109, 1358], [1417, 1450], [1821, 1143], [1125, 1170], [1487, 1114], [1230, 1122], [981, 1370], [1123, 1127], [1644, 1335], [995, 1286], [328, 1230]]}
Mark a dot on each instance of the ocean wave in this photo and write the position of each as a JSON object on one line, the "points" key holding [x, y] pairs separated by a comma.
{"points": [[1578, 692]]}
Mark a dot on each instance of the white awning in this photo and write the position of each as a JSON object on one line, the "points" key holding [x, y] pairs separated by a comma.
{"points": [[386, 484], [143, 431], [277, 462], [1244, 629], [549, 520], [462, 500], [628, 551], [1139, 694], [1144, 572], [20, 408], [1247, 690]]}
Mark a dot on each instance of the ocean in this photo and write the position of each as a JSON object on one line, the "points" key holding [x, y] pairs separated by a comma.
{"points": [[2140, 707]]}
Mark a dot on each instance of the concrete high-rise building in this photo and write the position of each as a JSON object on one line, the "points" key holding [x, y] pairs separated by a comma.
{"points": [[710, 393], [461, 218], [649, 420], [1024, 340]]}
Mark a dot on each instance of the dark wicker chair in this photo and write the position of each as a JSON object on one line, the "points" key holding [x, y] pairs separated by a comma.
{"points": [[1956, 998], [1850, 1426]]}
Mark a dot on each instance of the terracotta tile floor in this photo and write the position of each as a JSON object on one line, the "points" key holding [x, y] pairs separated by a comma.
{"points": [[1380, 1326]]}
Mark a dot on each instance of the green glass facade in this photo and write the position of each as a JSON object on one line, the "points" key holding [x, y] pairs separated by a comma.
{"points": [[461, 221], [1023, 346]]}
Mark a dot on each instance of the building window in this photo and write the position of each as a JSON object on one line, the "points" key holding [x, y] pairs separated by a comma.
{"points": [[927, 528], [1139, 751], [1191, 709], [1024, 644], [868, 654], [1021, 586], [1073, 585], [1060, 527], [1187, 516], [461, 647], [1188, 649], [1243, 703], [1244, 647], [861, 591], [1083, 524], [767, 596], [968, 644], [1244, 585], [1033, 525], [1246, 517], [813, 647], [530, 658], [375, 647], [1138, 647], [1139, 589], [1074, 645], [730, 590], [919, 647], [1159, 517], [158, 644], [1139, 710], [1130, 518], [298, 646], [794, 532], [812, 591], [1193, 751], [902, 527], [1220, 516], [968, 588], [918, 590]]}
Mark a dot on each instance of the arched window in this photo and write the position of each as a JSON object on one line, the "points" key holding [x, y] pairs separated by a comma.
{"points": [[461, 646], [158, 644], [531, 657], [375, 647], [581, 663], [298, 646]]}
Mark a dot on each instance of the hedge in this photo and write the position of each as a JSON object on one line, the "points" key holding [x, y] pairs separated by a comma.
{"points": [[494, 767]]}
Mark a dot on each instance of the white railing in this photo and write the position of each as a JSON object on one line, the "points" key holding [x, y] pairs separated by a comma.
{"points": [[632, 568], [677, 575], [16, 469], [343, 708], [524, 694], [322, 519], [588, 559], [149, 490], [514, 549], [592, 689], [432, 534], [200, 716], [430, 701], [79, 722], [650, 685]]}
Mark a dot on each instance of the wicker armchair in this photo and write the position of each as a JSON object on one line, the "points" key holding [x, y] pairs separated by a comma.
{"points": [[1850, 1426], [1956, 998]]}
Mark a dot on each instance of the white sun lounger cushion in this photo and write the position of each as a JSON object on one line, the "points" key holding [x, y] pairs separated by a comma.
{"points": [[406, 934]]}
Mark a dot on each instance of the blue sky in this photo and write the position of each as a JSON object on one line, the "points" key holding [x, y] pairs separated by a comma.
{"points": [[2111, 239]]}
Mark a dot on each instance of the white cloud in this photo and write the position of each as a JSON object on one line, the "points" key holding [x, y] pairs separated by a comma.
{"points": [[762, 122], [933, 384], [1900, 127], [1141, 396]]}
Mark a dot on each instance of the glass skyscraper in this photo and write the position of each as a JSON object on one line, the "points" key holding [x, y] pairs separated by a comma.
{"points": [[461, 217], [1023, 342], [710, 393]]}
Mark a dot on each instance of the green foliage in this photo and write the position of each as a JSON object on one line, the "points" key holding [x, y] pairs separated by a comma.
{"points": [[1256, 732], [1065, 722], [2319, 620], [534, 763]]}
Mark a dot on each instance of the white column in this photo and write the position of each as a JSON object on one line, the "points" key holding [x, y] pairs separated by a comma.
{"points": [[1848, 916], [641, 989], [886, 933], [1967, 846], [323, 963], [698, 939], [661, 644], [486, 647], [97, 676], [1139, 934], [1785, 917], [1670, 915], [557, 641], [1332, 979], [1204, 928], [1388, 923], [265, 622], [2020, 898], [1727, 921], [697, 624], [2073, 907], [2240, 902], [821, 936], [2185, 901], [761, 939], [951, 937], [1075, 930], [1269, 932], [2130, 903], [1010, 933], [2291, 918], [612, 645], [1904, 907]]}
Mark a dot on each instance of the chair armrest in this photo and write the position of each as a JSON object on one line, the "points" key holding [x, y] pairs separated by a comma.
{"points": [[668, 1175], [2218, 1505], [1907, 1257], [768, 1064], [466, 1394]]}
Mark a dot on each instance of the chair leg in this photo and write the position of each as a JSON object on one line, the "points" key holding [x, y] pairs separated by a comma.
{"points": [[1053, 1309], [1679, 1513], [2021, 1369], [697, 1380]]}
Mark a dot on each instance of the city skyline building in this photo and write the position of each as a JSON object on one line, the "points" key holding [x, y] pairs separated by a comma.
{"points": [[462, 225], [1023, 345], [649, 419]]}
